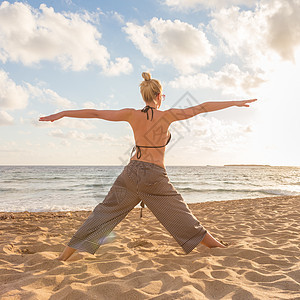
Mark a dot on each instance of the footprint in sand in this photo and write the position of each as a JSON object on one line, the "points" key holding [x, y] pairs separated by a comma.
{"points": [[12, 249], [26, 251], [140, 243]]}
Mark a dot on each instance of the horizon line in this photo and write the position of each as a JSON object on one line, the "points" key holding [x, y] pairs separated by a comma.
{"points": [[207, 165]]}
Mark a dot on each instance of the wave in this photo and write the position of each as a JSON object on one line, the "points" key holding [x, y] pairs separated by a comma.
{"points": [[279, 192], [34, 179], [98, 185], [47, 179], [9, 190], [269, 191]]}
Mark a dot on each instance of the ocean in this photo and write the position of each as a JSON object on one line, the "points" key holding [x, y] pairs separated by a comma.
{"points": [[63, 188]]}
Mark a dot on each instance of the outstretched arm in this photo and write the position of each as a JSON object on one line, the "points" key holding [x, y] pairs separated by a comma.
{"points": [[109, 115], [177, 114]]}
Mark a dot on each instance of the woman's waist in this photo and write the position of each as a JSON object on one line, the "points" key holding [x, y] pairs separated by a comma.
{"points": [[155, 164]]}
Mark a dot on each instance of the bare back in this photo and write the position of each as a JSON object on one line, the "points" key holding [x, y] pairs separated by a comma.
{"points": [[150, 133]]}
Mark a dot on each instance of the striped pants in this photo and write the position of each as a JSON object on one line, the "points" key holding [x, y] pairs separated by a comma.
{"points": [[147, 182]]}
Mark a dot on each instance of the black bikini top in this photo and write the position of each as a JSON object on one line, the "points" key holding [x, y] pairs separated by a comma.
{"points": [[139, 154]]}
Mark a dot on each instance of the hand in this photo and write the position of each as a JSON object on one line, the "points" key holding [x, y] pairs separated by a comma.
{"points": [[243, 102], [52, 117]]}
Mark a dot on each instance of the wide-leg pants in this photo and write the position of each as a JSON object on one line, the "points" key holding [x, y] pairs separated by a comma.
{"points": [[147, 182]]}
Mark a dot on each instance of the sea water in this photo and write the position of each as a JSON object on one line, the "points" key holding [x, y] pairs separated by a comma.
{"points": [[61, 188]]}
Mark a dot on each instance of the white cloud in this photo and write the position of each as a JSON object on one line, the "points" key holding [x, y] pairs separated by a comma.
{"points": [[284, 28], [230, 79], [76, 123], [12, 96], [92, 105], [261, 38], [89, 104], [46, 95], [74, 134], [5, 118], [30, 35], [172, 42], [57, 100], [214, 134], [199, 4], [65, 143], [68, 2], [50, 96], [117, 17], [122, 65]]}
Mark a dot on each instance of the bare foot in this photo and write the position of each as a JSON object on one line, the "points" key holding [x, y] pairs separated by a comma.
{"points": [[60, 258], [68, 251], [76, 256], [219, 245], [210, 242]]}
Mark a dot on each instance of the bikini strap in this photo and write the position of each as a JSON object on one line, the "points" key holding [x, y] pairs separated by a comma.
{"points": [[142, 204], [168, 139], [138, 149], [145, 110]]}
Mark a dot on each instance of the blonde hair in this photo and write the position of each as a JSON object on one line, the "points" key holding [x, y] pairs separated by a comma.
{"points": [[149, 88]]}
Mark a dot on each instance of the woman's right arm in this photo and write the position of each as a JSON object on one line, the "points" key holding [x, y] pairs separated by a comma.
{"points": [[124, 114], [177, 114]]}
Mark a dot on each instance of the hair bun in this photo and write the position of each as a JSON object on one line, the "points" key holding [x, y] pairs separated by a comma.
{"points": [[146, 76]]}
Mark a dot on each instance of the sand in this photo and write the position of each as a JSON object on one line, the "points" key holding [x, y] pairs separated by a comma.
{"points": [[142, 261]]}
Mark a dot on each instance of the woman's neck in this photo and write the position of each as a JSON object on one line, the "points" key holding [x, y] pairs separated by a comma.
{"points": [[152, 104]]}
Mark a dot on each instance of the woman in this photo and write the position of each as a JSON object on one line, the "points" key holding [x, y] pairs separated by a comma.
{"points": [[144, 179]]}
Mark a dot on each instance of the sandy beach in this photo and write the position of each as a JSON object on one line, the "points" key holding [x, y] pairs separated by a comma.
{"points": [[141, 260]]}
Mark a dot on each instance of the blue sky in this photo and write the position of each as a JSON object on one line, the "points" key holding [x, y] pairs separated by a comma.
{"points": [[60, 55]]}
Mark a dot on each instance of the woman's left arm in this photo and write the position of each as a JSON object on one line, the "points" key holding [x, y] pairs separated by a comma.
{"points": [[109, 115]]}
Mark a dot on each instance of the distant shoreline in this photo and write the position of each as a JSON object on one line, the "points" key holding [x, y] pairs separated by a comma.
{"points": [[247, 166]]}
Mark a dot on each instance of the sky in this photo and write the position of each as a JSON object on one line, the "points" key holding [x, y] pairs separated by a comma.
{"points": [[66, 55]]}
